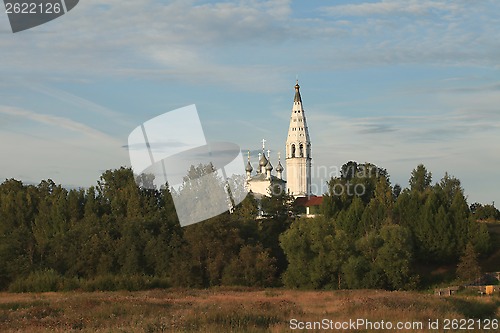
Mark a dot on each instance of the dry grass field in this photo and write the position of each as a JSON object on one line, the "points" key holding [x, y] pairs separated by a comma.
{"points": [[229, 310]]}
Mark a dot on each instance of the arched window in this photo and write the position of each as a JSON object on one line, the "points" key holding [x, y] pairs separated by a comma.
{"points": [[301, 150], [293, 150]]}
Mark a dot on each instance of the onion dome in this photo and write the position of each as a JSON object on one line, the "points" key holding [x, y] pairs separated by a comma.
{"points": [[249, 167], [263, 160], [279, 167], [269, 167]]}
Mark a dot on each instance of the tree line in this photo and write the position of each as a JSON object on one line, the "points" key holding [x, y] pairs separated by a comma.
{"points": [[381, 237], [119, 235]]}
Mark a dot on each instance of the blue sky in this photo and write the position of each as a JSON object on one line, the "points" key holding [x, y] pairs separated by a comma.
{"points": [[393, 82]]}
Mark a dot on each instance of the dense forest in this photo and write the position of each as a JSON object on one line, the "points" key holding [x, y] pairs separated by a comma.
{"points": [[119, 235]]}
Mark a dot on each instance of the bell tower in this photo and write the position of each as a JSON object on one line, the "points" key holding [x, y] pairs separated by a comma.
{"points": [[298, 150]]}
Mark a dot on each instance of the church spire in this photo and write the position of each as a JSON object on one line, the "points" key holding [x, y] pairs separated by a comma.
{"points": [[298, 150]]}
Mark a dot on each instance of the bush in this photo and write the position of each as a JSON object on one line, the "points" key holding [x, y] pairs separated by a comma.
{"points": [[100, 283], [50, 280], [38, 281], [130, 283]]}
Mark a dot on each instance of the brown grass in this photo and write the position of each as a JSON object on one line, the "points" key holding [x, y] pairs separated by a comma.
{"points": [[225, 310]]}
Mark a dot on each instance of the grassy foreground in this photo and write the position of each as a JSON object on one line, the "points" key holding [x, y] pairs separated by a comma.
{"points": [[228, 310]]}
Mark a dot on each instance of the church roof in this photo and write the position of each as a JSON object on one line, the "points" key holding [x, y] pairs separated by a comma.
{"points": [[298, 131], [262, 177], [308, 201]]}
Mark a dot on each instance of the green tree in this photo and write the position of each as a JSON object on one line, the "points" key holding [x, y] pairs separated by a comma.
{"points": [[161, 234], [420, 179], [279, 205], [207, 249], [395, 256], [480, 237], [278, 211], [18, 205], [371, 275], [350, 220], [407, 210], [468, 269], [486, 212], [355, 180], [297, 243], [396, 191], [356, 271], [254, 266], [379, 210], [315, 253]]}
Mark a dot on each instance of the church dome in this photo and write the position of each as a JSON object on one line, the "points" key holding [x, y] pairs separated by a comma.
{"points": [[249, 167], [269, 167], [279, 167], [263, 160]]}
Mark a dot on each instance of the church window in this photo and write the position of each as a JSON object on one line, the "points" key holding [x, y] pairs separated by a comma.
{"points": [[301, 150], [293, 150]]}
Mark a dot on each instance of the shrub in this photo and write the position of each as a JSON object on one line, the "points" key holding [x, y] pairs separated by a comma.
{"points": [[38, 281], [130, 283]]}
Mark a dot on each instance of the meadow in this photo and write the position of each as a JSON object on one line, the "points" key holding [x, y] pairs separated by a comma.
{"points": [[232, 310]]}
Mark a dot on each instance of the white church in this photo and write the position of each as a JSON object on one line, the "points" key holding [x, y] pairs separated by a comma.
{"points": [[298, 162]]}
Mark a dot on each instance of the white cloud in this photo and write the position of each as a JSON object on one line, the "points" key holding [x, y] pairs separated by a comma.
{"points": [[182, 40], [250, 45], [461, 141], [445, 33], [67, 151], [60, 122], [74, 100], [390, 7]]}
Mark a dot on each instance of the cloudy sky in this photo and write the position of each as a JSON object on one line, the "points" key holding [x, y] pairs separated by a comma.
{"points": [[392, 82]]}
